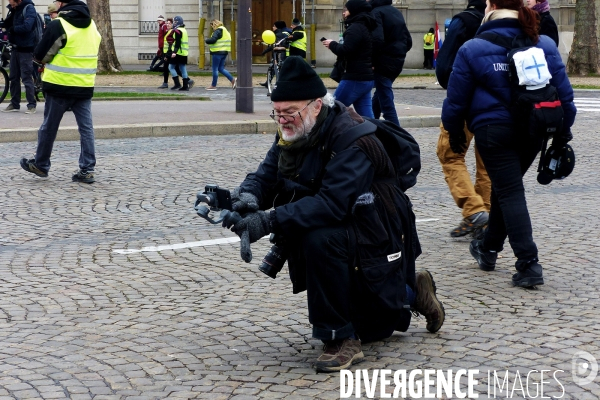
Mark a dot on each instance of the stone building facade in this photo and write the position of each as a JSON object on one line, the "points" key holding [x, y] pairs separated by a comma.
{"points": [[134, 23]]}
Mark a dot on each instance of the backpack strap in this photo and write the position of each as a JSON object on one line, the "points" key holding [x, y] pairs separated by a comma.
{"points": [[352, 135]]}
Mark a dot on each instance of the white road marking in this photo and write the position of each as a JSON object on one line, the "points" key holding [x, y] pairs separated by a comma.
{"points": [[203, 243]]}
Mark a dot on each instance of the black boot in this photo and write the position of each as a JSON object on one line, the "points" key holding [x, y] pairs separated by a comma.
{"points": [[176, 82], [186, 86], [263, 84]]}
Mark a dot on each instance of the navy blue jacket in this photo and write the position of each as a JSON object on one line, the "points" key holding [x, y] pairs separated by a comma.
{"points": [[479, 88], [23, 26]]}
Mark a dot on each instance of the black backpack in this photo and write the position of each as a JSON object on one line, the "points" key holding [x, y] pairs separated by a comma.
{"points": [[383, 234], [38, 25], [536, 111]]}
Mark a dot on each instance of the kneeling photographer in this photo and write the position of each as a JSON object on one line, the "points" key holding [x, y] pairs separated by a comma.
{"points": [[339, 218]]}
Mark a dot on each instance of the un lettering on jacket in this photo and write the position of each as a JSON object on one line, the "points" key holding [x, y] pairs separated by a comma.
{"points": [[532, 68]]}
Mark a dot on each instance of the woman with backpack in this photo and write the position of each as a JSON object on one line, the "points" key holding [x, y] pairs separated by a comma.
{"points": [[479, 91], [428, 47], [354, 57]]}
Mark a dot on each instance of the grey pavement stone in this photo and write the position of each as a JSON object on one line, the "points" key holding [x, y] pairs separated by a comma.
{"points": [[79, 319]]}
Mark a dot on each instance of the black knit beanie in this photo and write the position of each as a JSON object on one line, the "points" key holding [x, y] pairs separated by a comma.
{"points": [[297, 81], [479, 5], [357, 6], [280, 24]]}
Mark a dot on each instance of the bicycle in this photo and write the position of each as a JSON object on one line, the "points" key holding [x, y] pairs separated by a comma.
{"points": [[277, 58], [4, 84]]}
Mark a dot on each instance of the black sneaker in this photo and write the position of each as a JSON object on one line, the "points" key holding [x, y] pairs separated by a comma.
{"points": [[485, 258], [339, 354], [83, 177], [29, 166], [531, 276], [427, 303], [471, 224], [264, 84]]}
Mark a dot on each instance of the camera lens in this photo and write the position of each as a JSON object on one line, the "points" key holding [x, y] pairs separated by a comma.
{"points": [[273, 262]]}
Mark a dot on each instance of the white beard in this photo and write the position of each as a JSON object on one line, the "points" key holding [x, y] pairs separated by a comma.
{"points": [[292, 133]]}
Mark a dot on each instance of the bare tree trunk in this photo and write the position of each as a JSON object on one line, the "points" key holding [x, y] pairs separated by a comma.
{"points": [[583, 57], [107, 57]]}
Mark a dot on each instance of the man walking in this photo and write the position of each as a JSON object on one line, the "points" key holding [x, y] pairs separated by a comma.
{"points": [[22, 34], [473, 200], [297, 40], [69, 48], [391, 42]]}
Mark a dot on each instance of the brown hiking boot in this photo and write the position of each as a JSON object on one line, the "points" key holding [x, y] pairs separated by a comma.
{"points": [[475, 223], [426, 302], [339, 354]]}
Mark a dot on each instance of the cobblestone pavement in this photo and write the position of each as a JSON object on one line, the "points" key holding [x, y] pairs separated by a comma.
{"points": [[79, 320]]}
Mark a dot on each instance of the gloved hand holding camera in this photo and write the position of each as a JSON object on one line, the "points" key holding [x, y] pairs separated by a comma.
{"points": [[458, 141], [250, 228], [243, 202], [562, 139]]}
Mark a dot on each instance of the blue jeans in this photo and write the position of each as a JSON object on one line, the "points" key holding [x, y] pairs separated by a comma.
{"points": [[383, 100], [54, 110], [218, 65], [507, 156], [21, 69], [182, 69], [356, 93]]}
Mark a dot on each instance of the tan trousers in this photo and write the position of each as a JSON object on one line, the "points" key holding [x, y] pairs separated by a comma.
{"points": [[470, 198]]}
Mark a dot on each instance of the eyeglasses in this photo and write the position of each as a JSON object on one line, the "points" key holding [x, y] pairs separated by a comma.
{"points": [[288, 117]]}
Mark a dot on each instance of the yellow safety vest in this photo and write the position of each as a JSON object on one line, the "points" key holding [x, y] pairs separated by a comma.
{"points": [[166, 43], [76, 63], [223, 44], [299, 44], [429, 46], [185, 46]]}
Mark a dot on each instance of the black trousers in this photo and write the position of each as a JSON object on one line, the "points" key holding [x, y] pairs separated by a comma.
{"points": [[328, 283], [507, 157]]}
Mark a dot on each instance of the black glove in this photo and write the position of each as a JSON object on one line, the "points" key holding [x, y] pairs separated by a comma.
{"points": [[565, 137], [252, 227], [243, 202], [458, 142]]}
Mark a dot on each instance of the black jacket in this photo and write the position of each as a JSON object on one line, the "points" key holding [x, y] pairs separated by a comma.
{"points": [[391, 39], [356, 51], [463, 27], [77, 14], [548, 26]]}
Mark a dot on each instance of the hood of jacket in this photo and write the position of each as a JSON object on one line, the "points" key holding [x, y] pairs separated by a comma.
{"points": [[379, 3], [362, 18], [76, 13]]}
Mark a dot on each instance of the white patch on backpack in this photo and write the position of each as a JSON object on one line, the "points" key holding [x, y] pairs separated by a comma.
{"points": [[532, 68], [393, 257]]}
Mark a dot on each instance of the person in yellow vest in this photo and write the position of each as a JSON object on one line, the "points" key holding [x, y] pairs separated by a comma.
{"points": [[428, 47], [220, 45], [179, 55], [69, 49], [297, 40]]}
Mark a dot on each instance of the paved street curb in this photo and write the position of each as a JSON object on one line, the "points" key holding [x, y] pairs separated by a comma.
{"points": [[180, 129]]}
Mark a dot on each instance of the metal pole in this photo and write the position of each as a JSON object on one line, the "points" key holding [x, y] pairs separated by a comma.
{"points": [[293, 9], [244, 95]]}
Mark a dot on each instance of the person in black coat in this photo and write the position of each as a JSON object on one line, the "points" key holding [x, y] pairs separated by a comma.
{"points": [[547, 24], [354, 57], [307, 199], [391, 42]]}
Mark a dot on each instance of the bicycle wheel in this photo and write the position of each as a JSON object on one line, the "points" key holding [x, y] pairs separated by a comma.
{"points": [[270, 81], [3, 84]]}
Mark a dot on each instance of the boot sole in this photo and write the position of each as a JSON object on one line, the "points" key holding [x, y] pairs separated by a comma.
{"points": [[358, 357], [429, 284], [477, 257], [529, 281]]}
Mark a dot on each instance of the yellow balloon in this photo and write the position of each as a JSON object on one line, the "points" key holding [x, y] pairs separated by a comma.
{"points": [[268, 36]]}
